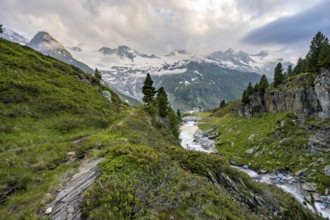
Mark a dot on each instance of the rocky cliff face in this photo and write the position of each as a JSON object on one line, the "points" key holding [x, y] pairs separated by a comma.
{"points": [[322, 90], [301, 100]]}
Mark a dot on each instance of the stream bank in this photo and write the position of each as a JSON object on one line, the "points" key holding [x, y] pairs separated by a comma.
{"points": [[194, 139]]}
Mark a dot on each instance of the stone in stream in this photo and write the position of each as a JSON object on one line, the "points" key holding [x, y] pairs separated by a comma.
{"points": [[316, 197], [262, 171], [198, 135], [309, 187]]}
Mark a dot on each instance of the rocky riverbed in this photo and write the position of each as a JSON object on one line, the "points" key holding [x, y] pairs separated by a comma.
{"points": [[194, 139], [293, 185]]}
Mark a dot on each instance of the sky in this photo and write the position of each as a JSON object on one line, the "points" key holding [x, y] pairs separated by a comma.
{"points": [[282, 27]]}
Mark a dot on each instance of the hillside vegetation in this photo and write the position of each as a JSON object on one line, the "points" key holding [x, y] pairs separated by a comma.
{"points": [[50, 109], [45, 105]]}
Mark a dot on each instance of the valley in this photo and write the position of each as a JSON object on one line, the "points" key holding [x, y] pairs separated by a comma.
{"points": [[143, 110]]}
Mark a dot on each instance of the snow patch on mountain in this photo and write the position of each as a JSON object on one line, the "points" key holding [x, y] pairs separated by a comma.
{"points": [[14, 36]]}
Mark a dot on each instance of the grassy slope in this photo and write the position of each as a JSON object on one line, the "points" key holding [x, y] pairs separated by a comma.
{"points": [[46, 104], [145, 175], [277, 144]]}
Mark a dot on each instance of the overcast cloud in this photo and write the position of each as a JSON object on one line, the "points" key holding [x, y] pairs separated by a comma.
{"points": [[160, 26]]}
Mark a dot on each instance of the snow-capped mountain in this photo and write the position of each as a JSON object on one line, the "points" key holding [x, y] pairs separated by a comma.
{"points": [[124, 52], [260, 63], [13, 36], [48, 45], [189, 79]]}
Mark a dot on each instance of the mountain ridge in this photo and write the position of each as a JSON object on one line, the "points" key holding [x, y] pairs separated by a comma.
{"points": [[48, 45]]}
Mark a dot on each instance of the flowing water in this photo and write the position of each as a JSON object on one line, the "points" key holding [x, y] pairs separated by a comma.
{"points": [[287, 183]]}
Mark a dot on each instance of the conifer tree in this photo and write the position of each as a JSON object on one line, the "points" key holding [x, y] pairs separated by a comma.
{"points": [[222, 103], [263, 84], [312, 56], [324, 57], [162, 102], [148, 90], [97, 75], [289, 70], [174, 123], [1, 30], [300, 67], [278, 75], [245, 97], [249, 89], [256, 88], [178, 113]]}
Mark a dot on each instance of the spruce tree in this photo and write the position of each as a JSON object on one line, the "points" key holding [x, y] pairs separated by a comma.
{"points": [[256, 88], [289, 70], [148, 90], [324, 57], [263, 84], [245, 97], [174, 123], [312, 56], [278, 75], [222, 103], [249, 89], [300, 67], [97, 75], [178, 113], [1, 30], [162, 102]]}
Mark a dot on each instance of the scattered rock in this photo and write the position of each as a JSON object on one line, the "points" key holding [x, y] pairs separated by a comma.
{"points": [[310, 187], [246, 166], [232, 162], [313, 164], [250, 151], [208, 132], [326, 170], [71, 153], [301, 172], [48, 210], [320, 160], [107, 95], [251, 137]]}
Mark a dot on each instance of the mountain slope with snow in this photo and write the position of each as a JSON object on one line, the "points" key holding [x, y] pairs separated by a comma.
{"points": [[48, 45], [14, 36], [190, 80]]}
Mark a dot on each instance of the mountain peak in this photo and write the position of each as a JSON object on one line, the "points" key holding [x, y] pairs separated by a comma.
{"points": [[177, 52], [107, 51], [231, 51], [47, 44], [263, 53]]}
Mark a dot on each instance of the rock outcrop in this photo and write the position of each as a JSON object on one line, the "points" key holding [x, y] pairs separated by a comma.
{"points": [[295, 97], [322, 90], [68, 202]]}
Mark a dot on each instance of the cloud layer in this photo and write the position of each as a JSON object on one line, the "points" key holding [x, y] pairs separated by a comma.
{"points": [[159, 26]]}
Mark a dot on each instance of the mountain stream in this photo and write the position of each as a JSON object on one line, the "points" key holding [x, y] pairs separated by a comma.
{"points": [[188, 133]]}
